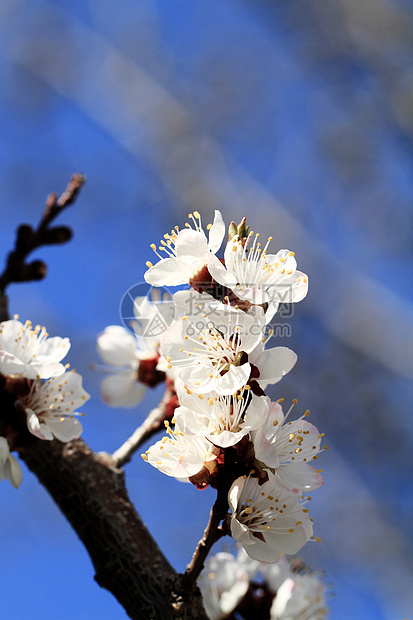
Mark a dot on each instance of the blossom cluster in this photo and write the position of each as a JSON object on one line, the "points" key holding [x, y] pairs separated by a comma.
{"points": [[226, 432], [287, 590], [40, 395]]}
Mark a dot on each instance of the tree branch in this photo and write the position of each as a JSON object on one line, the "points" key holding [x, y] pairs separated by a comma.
{"points": [[91, 493], [213, 532], [27, 239]]}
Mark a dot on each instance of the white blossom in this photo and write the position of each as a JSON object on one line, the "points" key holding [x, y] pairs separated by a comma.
{"points": [[208, 350], [287, 448], [258, 277], [134, 358], [224, 582], [276, 574], [29, 351], [267, 519], [223, 419], [51, 406], [9, 465], [184, 253], [180, 455], [121, 350], [301, 597]]}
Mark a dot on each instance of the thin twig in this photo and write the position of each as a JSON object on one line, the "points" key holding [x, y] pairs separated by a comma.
{"points": [[153, 423], [213, 532], [28, 239]]}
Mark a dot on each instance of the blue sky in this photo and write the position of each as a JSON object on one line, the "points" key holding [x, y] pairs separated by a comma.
{"points": [[260, 110]]}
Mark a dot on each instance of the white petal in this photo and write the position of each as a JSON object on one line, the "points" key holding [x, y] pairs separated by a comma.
{"points": [[191, 422], [36, 427], [122, 390], [66, 429], [264, 439], [220, 273], [233, 380], [44, 369], [168, 272], [300, 476], [242, 534], [194, 304], [10, 364], [274, 363], [252, 329], [235, 492], [116, 346], [13, 471], [53, 349], [191, 245], [300, 289], [4, 449], [227, 438], [216, 233], [198, 378], [280, 602], [257, 413]]}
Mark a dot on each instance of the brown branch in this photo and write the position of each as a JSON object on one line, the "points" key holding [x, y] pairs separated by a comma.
{"points": [[28, 240], [91, 493], [213, 532], [88, 488]]}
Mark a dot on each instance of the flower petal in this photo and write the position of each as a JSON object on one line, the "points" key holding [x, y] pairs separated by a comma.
{"points": [[233, 380], [219, 272], [191, 245], [36, 427], [168, 272], [116, 346], [13, 471], [274, 364], [122, 390], [66, 429], [216, 233]]}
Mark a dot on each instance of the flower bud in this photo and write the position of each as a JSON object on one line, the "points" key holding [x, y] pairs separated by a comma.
{"points": [[56, 235], [232, 230], [24, 234], [36, 270]]}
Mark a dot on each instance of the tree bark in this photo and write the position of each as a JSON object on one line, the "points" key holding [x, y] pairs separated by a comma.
{"points": [[91, 493]]}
